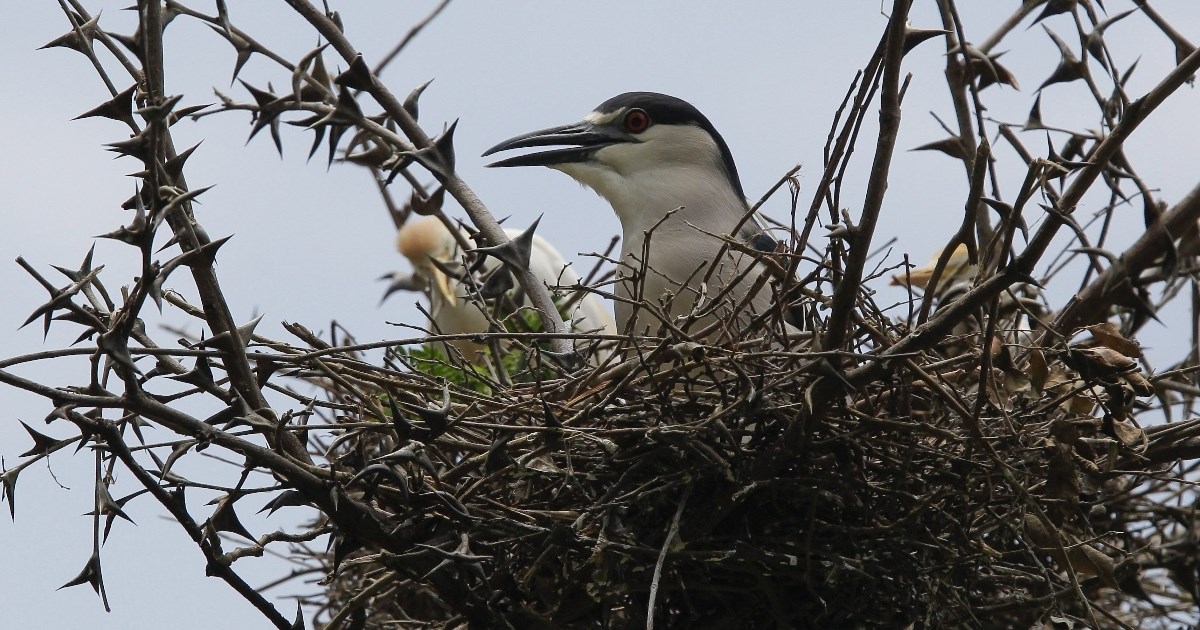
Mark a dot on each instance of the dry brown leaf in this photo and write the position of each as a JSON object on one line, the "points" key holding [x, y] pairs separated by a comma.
{"points": [[1140, 384], [1129, 433], [1039, 370], [542, 463], [1084, 559], [1065, 431], [1107, 334], [1062, 477], [1059, 380], [1084, 402], [1098, 361], [1015, 382]]}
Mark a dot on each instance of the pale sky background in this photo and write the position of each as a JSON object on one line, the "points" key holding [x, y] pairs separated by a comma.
{"points": [[310, 242]]}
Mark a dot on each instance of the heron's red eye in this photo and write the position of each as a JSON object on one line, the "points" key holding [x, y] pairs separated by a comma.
{"points": [[637, 121]]}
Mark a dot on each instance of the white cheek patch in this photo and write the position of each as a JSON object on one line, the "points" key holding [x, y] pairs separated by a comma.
{"points": [[682, 143], [598, 118], [670, 166], [662, 147]]}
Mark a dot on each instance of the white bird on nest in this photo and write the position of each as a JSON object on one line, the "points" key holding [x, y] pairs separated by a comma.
{"points": [[432, 250]]}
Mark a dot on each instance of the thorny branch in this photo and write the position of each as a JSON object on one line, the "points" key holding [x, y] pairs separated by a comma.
{"points": [[990, 459]]}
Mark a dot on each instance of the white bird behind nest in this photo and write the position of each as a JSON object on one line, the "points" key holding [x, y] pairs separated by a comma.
{"points": [[958, 270], [423, 240]]}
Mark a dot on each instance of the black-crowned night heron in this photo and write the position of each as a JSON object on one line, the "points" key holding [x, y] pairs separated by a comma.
{"points": [[667, 173], [430, 247]]}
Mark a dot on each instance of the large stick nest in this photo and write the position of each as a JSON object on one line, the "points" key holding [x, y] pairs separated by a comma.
{"points": [[975, 456], [998, 484]]}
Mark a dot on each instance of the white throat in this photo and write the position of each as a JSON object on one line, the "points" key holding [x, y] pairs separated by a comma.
{"points": [[672, 169]]}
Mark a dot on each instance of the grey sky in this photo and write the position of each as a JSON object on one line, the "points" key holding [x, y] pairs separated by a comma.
{"points": [[309, 242]]}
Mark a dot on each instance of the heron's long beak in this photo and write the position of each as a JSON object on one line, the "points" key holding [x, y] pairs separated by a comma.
{"points": [[441, 284], [584, 137], [420, 281]]}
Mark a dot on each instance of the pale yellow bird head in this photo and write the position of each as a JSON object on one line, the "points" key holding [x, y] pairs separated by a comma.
{"points": [[422, 240], [958, 269]]}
